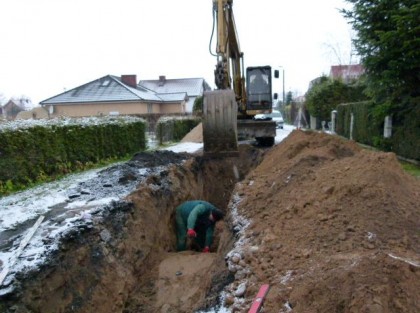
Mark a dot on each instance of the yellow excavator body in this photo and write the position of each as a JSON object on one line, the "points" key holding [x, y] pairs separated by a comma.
{"points": [[228, 111]]}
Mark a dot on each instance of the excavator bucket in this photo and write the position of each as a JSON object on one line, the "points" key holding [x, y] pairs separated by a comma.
{"points": [[220, 123]]}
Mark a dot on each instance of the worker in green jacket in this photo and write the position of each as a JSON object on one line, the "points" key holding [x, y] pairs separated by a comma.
{"points": [[196, 219]]}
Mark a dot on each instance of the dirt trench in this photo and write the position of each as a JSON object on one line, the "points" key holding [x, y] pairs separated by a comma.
{"points": [[127, 261], [331, 227]]}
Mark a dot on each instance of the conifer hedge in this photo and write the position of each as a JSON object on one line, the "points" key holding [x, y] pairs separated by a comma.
{"points": [[175, 128], [35, 152], [368, 128]]}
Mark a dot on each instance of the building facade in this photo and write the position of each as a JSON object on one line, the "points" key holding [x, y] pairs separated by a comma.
{"points": [[112, 95]]}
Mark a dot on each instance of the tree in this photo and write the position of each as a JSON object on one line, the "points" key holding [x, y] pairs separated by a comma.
{"points": [[325, 94], [198, 105], [340, 53], [289, 98], [389, 46]]}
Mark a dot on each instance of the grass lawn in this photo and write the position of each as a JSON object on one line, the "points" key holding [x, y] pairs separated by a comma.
{"points": [[412, 169]]}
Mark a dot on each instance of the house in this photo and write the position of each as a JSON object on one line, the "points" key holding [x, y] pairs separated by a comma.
{"points": [[194, 87], [112, 95], [34, 114], [11, 109], [346, 73]]}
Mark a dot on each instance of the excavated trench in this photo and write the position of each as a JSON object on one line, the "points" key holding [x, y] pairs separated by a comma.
{"points": [[126, 260], [329, 226]]}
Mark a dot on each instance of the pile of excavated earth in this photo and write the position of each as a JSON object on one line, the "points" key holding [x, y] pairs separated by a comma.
{"points": [[331, 227]]}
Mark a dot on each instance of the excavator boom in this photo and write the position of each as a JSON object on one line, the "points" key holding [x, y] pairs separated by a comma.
{"points": [[228, 111]]}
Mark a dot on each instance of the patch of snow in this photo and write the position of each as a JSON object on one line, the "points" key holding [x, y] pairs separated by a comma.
{"points": [[284, 279], [218, 309], [287, 307], [371, 236], [29, 204], [239, 222], [188, 147], [240, 290], [94, 203], [18, 125], [413, 263]]}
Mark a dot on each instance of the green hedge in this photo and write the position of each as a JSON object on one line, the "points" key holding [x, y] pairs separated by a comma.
{"points": [[367, 129], [405, 138], [40, 151], [175, 128]]}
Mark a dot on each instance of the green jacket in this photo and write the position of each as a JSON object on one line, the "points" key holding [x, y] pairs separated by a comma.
{"points": [[195, 215]]}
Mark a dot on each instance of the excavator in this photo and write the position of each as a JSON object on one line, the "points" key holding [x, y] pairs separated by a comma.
{"points": [[228, 111]]}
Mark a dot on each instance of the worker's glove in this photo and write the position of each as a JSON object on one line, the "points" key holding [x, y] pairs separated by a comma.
{"points": [[191, 233], [206, 250]]}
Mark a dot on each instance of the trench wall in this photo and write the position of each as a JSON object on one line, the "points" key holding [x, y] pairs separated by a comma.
{"points": [[111, 267]]}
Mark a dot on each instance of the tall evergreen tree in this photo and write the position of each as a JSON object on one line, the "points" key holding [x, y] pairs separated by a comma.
{"points": [[388, 41], [389, 46]]}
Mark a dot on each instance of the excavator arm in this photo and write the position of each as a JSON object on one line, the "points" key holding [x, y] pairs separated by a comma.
{"points": [[227, 110], [229, 72]]}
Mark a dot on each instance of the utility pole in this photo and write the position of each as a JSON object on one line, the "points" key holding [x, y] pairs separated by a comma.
{"points": [[284, 93]]}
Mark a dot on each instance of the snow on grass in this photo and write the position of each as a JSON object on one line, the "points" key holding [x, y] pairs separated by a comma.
{"points": [[29, 204], [189, 147], [64, 214]]}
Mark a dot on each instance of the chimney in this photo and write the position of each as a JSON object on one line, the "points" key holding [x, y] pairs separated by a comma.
{"points": [[162, 80], [130, 80]]}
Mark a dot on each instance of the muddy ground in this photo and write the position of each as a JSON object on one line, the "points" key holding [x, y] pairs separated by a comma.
{"points": [[330, 226]]}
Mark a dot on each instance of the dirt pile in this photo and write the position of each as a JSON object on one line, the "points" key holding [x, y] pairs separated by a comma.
{"points": [[333, 228], [195, 135]]}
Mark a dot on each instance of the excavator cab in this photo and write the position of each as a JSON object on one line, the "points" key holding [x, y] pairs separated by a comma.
{"points": [[227, 120], [259, 90]]}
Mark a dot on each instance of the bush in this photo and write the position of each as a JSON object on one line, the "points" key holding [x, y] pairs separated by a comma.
{"points": [[175, 128], [326, 94], [31, 152], [198, 105], [368, 128]]}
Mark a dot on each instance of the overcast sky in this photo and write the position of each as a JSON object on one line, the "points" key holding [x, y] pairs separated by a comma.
{"points": [[49, 46]]}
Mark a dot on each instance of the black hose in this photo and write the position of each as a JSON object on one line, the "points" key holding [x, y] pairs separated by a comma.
{"points": [[212, 33]]}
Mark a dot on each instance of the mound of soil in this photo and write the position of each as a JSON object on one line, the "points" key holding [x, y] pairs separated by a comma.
{"points": [[157, 158], [333, 228], [195, 135]]}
